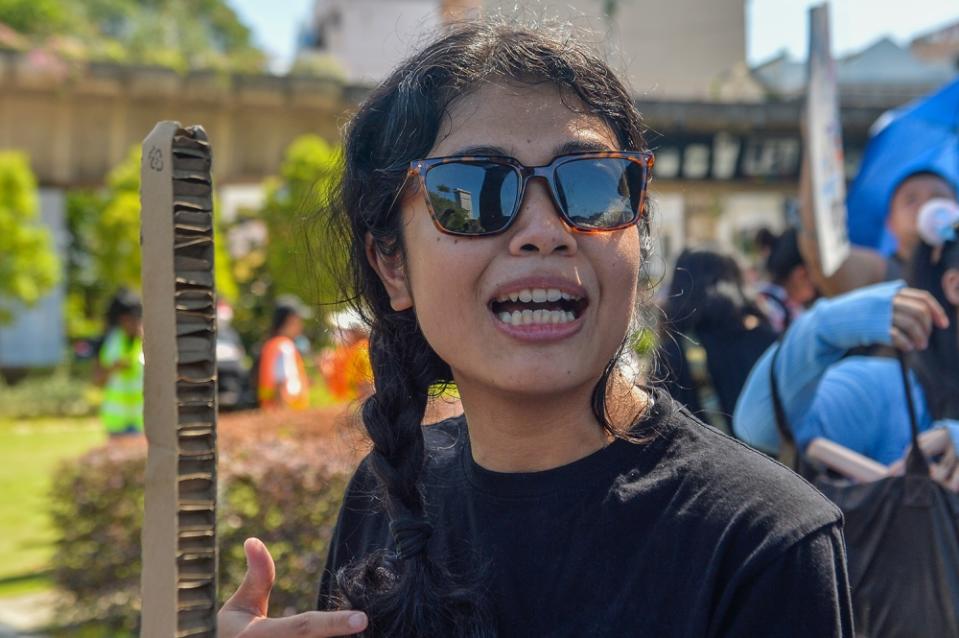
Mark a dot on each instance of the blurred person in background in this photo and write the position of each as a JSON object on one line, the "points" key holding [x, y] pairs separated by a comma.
{"points": [[790, 288], [119, 367], [902, 238], [858, 401], [346, 364], [281, 374], [711, 337], [867, 266]]}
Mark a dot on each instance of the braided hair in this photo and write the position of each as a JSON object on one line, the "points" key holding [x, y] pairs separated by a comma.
{"points": [[404, 592]]}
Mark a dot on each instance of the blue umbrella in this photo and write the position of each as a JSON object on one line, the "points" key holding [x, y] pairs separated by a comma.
{"points": [[920, 137]]}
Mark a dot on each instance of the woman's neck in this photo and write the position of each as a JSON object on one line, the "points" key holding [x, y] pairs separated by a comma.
{"points": [[513, 433]]}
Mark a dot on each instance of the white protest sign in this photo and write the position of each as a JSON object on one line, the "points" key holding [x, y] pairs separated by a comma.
{"points": [[824, 146]]}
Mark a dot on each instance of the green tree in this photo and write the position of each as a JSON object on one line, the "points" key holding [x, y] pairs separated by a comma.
{"points": [[42, 17], [180, 34], [301, 257], [28, 261], [105, 247]]}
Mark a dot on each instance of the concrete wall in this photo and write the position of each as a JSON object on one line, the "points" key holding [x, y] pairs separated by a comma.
{"points": [[78, 124]]}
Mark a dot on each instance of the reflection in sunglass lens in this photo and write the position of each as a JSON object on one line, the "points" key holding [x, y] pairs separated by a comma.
{"points": [[599, 193], [472, 198]]}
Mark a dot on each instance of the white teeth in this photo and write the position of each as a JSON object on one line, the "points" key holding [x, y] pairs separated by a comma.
{"points": [[539, 317], [538, 295]]}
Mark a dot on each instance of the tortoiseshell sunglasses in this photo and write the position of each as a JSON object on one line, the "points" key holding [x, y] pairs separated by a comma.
{"points": [[476, 196]]}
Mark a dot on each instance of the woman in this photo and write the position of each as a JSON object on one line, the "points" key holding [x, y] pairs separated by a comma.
{"points": [[858, 401], [712, 336], [494, 195]]}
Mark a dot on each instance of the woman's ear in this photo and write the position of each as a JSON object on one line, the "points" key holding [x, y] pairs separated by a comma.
{"points": [[392, 273], [950, 286]]}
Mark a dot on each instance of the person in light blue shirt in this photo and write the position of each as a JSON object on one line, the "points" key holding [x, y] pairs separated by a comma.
{"points": [[859, 401]]}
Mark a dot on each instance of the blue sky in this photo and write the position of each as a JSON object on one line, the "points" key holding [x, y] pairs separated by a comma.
{"points": [[772, 25]]}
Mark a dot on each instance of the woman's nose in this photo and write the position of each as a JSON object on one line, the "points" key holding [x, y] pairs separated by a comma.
{"points": [[539, 229]]}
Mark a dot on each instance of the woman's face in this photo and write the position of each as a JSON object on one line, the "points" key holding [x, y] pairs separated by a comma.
{"points": [[458, 285]]}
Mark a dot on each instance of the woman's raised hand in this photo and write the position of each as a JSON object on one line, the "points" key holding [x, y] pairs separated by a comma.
{"points": [[914, 314], [244, 615]]}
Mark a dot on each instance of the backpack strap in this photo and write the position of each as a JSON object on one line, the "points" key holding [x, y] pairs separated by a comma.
{"points": [[916, 463], [788, 452]]}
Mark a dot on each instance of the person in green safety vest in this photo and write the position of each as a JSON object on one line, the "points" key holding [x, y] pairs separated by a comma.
{"points": [[120, 367]]}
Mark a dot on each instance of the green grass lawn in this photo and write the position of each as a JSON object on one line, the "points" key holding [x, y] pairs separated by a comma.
{"points": [[30, 452]]}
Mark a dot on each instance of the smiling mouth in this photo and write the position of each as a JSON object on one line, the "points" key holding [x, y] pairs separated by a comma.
{"points": [[538, 306]]}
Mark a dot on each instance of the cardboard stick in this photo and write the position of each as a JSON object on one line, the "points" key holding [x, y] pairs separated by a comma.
{"points": [[179, 323]]}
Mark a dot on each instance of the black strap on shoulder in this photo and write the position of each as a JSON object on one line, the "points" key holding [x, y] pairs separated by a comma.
{"points": [[788, 453], [916, 462]]}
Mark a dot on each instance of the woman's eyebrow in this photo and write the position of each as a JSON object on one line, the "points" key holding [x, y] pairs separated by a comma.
{"points": [[581, 146], [573, 146], [482, 149]]}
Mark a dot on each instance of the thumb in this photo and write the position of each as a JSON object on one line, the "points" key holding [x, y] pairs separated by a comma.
{"points": [[253, 594]]}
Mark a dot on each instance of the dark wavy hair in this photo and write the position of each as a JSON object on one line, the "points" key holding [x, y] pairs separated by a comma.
{"points": [[938, 365], [411, 595], [706, 293]]}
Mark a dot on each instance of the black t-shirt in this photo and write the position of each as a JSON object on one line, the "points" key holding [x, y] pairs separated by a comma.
{"points": [[688, 534]]}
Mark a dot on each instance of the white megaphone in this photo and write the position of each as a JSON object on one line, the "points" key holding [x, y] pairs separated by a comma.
{"points": [[937, 222]]}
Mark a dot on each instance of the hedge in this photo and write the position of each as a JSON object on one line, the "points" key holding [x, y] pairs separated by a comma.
{"points": [[281, 478]]}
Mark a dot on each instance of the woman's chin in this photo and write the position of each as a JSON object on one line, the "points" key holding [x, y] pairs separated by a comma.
{"points": [[543, 381]]}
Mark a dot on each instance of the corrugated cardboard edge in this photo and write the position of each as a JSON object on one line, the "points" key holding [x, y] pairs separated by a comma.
{"points": [[159, 539]]}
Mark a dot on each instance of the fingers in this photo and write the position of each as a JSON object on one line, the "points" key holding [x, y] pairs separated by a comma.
{"points": [[900, 341], [313, 624], [253, 594], [946, 471], [938, 313], [913, 321], [914, 315], [934, 443], [923, 303], [952, 480]]}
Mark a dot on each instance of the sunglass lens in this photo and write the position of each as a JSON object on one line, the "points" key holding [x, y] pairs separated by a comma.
{"points": [[599, 193], [472, 198]]}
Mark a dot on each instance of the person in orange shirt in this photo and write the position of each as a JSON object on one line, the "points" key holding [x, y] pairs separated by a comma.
{"points": [[282, 378], [346, 365]]}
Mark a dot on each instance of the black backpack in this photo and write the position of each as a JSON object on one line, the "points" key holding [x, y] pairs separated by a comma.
{"points": [[902, 538]]}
